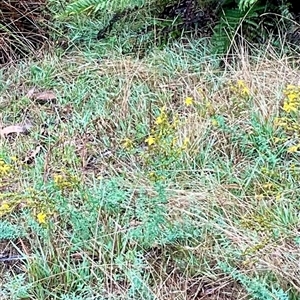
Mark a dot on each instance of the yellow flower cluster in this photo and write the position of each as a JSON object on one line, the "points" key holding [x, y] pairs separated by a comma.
{"points": [[33, 200], [128, 144], [164, 133], [261, 222], [293, 149], [240, 89], [288, 121], [292, 99], [164, 144], [65, 181]]}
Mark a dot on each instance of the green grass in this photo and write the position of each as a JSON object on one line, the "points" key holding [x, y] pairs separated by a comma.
{"points": [[139, 193]]}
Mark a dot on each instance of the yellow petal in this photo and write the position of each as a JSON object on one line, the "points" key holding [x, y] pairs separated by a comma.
{"points": [[41, 218], [150, 140], [189, 101], [293, 149], [214, 122]]}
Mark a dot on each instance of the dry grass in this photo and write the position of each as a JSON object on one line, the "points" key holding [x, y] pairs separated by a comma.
{"points": [[210, 197]]}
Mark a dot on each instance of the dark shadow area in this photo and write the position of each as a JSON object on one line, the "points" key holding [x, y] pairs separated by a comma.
{"points": [[22, 28]]}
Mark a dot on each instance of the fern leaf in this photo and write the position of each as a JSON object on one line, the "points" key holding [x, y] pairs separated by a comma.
{"points": [[94, 6], [245, 4]]}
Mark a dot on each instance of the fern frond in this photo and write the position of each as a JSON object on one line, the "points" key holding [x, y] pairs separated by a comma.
{"points": [[246, 4], [224, 31], [85, 6], [230, 22], [94, 6]]}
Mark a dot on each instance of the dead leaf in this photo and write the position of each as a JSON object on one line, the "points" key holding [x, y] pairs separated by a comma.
{"points": [[44, 97], [13, 129]]}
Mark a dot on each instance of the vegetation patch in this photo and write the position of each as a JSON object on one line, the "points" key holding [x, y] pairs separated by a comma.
{"points": [[162, 177]]}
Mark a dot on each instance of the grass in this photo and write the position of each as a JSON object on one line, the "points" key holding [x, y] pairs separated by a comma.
{"points": [[165, 177]]}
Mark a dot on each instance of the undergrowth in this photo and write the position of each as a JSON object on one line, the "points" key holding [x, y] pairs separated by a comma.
{"points": [[158, 178]]}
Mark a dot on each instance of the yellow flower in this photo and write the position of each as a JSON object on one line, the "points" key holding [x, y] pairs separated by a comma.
{"points": [[159, 120], [293, 149], [242, 87], [162, 118], [41, 218], [150, 140], [292, 96], [245, 91], [289, 106], [4, 168], [127, 143], [189, 101], [290, 87], [4, 207], [57, 178], [214, 122]]}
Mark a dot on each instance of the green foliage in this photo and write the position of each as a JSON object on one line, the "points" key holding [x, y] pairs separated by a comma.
{"points": [[95, 6], [111, 229], [234, 18], [256, 287], [234, 22], [138, 26], [245, 21], [16, 287], [99, 230], [9, 231], [245, 4]]}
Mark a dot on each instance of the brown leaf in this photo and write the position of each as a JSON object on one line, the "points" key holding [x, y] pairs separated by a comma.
{"points": [[44, 97], [13, 129]]}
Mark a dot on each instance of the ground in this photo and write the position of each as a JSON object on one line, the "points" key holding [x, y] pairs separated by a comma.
{"points": [[165, 177]]}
